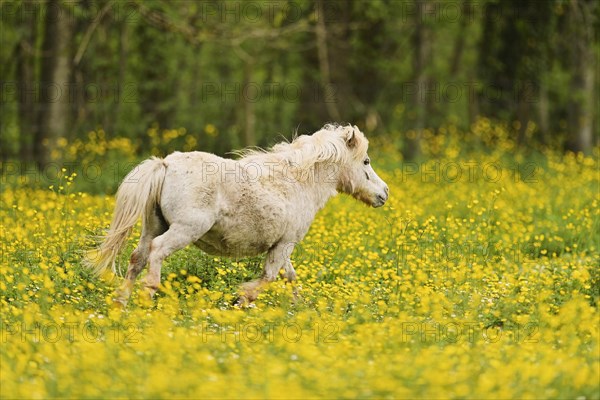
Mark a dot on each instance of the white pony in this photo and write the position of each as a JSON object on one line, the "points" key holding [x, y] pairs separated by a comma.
{"points": [[263, 202]]}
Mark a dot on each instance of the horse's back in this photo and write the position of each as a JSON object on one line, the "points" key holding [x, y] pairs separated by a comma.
{"points": [[248, 212]]}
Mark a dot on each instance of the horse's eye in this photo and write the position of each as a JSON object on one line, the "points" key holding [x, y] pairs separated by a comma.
{"points": [[367, 161]]}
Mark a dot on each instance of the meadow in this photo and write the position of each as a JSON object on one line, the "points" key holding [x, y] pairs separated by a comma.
{"points": [[478, 279]]}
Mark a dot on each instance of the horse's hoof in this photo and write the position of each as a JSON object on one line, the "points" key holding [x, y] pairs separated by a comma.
{"points": [[238, 302], [118, 304], [296, 296], [145, 298], [242, 302]]}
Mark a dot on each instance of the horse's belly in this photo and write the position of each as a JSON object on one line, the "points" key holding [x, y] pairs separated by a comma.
{"points": [[214, 243], [247, 225]]}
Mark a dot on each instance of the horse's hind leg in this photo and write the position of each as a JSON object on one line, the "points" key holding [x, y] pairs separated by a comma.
{"points": [[154, 225], [278, 257], [176, 237]]}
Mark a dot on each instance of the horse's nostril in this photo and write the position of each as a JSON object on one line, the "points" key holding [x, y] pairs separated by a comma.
{"points": [[387, 190]]}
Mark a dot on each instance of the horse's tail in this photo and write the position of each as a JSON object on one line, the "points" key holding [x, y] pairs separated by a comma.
{"points": [[138, 194]]}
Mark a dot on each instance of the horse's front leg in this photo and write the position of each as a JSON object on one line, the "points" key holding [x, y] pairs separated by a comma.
{"points": [[289, 273], [278, 257]]}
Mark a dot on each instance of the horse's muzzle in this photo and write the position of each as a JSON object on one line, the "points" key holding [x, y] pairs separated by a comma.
{"points": [[379, 200]]}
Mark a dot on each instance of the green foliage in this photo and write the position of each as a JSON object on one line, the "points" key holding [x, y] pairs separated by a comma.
{"points": [[255, 70]]}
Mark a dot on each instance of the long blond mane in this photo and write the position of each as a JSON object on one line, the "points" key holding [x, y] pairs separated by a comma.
{"points": [[332, 144]]}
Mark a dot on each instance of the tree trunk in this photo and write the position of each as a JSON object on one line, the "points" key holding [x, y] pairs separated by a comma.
{"points": [[421, 43], [581, 103], [55, 75], [459, 43], [323, 53], [26, 92], [544, 112], [123, 55]]}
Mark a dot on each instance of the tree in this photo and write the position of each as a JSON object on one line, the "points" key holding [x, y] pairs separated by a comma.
{"points": [[421, 46], [582, 15], [55, 76], [26, 94]]}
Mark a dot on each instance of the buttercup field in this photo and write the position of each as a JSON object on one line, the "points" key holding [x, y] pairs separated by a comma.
{"points": [[299, 199], [478, 285]]}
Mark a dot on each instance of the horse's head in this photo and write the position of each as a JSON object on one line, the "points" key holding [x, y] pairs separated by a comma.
{"points": [[357, 177]]}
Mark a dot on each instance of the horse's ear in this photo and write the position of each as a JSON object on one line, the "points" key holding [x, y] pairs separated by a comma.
{"points": [[351, 138]]}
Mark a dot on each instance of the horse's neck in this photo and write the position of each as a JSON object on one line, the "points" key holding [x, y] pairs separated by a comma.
{"points": [[319, 195], [319, 188]]}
